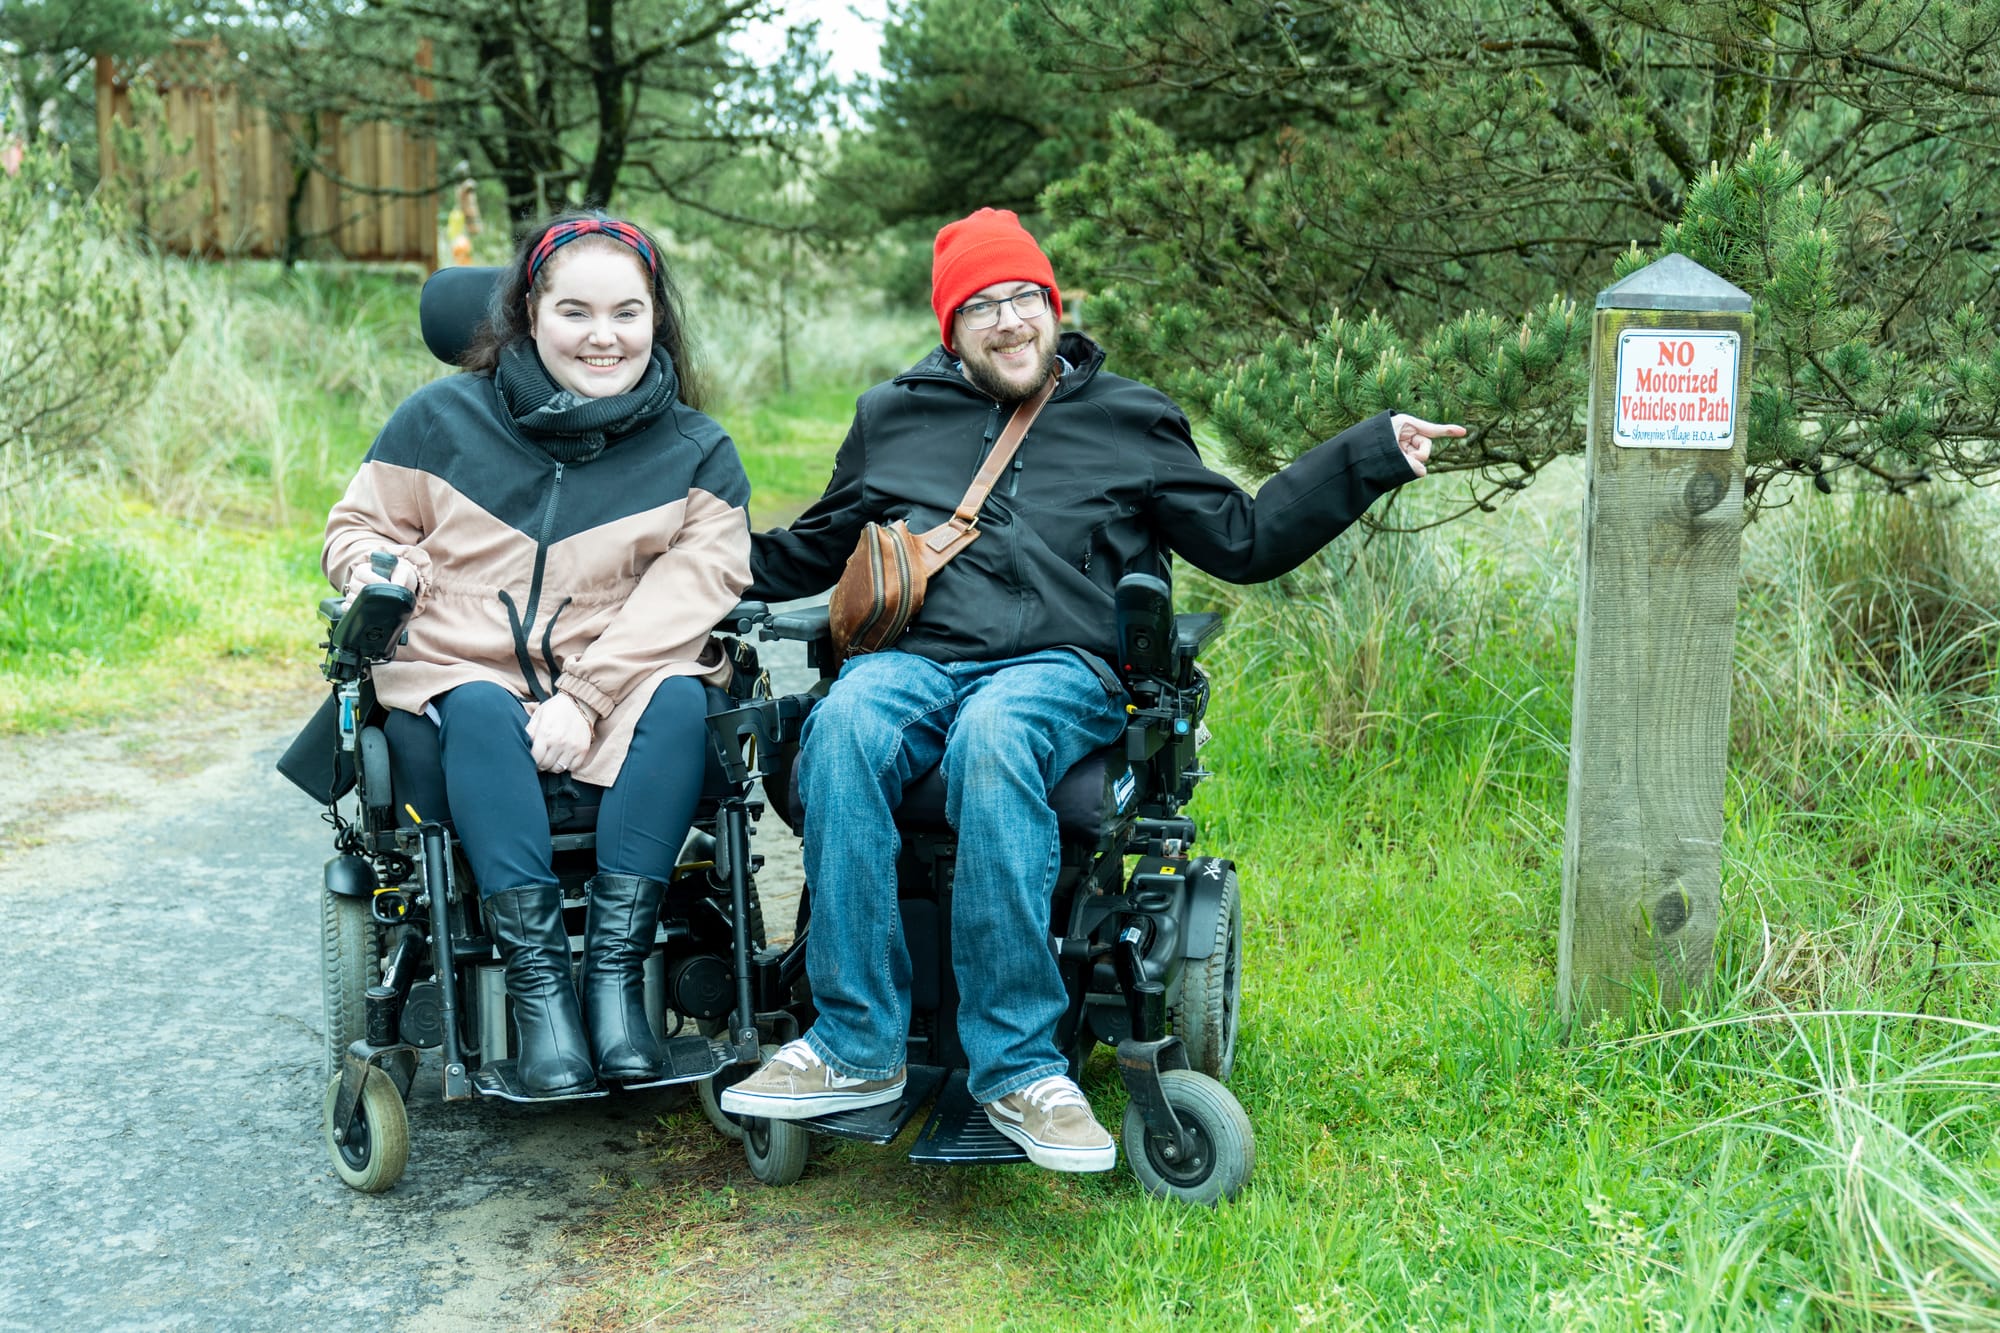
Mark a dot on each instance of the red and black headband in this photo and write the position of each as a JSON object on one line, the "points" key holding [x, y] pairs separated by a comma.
{"points": [[556, 237]]}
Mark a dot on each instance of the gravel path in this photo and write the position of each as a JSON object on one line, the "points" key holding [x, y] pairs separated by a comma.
{"points": [[161, 1165]]}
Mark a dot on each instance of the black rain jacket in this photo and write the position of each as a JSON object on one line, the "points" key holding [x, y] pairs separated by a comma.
{"points": [[1107, 481]]}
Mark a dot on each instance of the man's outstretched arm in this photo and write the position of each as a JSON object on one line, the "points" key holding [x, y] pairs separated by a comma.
{"points": [[1224, 530]]}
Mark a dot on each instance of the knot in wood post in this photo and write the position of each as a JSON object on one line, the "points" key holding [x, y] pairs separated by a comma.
{"points": [[1656, 631]]}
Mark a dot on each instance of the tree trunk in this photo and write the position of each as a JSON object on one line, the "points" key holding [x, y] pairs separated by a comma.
{"points": [[613, 119]]}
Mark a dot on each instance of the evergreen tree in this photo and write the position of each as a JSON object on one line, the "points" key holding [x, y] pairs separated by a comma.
{"points": [[84, 330], [1296, 211]]}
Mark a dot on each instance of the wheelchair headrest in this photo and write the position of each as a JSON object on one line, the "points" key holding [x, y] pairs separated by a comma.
{"points": [[453, 304]]}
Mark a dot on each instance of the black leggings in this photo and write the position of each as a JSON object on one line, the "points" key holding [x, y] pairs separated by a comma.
{"points": [[496, 800]]}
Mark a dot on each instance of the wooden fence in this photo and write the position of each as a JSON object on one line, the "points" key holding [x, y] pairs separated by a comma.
{"points": [[373, 193]]}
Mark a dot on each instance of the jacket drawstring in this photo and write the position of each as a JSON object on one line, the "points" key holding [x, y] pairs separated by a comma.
{"points": [[548, 644], [521, 657]]}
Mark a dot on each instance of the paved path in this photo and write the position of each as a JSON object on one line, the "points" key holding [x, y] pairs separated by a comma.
{"points": [[161, 1165]]}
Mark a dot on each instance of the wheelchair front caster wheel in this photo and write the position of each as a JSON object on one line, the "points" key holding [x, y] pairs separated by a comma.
{"points": [[378, 1144], [776, 1149], [727, 1125], [1221, 1146]]}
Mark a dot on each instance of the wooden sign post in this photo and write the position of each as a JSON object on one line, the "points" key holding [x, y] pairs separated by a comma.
{"points": [[1656, 628]]}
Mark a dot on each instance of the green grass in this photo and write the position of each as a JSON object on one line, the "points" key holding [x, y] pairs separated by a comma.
{"points": [[187, 546], [1812, 1148], [787, 442]]}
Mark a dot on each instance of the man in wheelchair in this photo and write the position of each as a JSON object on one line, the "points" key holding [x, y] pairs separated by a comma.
{"points": [[1008, 677]]}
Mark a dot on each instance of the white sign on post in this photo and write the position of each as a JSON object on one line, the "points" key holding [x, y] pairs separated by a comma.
{"points": [[1676, 389]]}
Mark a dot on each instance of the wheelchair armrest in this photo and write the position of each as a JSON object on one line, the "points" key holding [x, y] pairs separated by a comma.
{"points": [[745, 617], [807, 624], [1193, 630]]}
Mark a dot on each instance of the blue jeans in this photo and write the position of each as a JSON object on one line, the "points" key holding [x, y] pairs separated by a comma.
{"points": [[1005, 733]]}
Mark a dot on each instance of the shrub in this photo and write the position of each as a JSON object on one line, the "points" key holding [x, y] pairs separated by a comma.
{"points": [[86, 327]]}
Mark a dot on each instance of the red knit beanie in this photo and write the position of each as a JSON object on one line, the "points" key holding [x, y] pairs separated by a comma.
{"points": [[973, 253]]}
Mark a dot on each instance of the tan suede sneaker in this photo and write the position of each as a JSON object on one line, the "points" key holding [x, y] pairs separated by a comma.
{"points": [[795, 1084], [1051, 1120]]}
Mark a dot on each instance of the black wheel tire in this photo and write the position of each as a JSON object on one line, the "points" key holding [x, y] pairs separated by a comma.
{"points": [[1225, 1148], [378, 1149], [727, 1125], [350, 961], [776, 1149], [700, 880], [1205, 1016]]}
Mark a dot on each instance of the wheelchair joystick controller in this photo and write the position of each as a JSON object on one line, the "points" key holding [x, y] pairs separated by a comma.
{"points": [[363, 631], [1145, 609]]}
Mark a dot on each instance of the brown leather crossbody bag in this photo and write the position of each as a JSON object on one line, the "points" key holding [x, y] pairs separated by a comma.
{"points": [[883, 585]]}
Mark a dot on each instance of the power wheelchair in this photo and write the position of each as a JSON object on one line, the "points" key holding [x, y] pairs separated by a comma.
{"points": [[1148, 935], [407, 963]]}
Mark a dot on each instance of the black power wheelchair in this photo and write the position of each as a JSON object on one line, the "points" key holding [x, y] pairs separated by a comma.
{"points": [[1148, 935]]}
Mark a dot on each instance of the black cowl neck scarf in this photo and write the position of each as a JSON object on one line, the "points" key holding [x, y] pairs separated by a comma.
{"points": [[569, 427]]}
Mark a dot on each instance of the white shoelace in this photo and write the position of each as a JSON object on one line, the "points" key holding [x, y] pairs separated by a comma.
{"points": [[1045, 1095], [796, 1054]]}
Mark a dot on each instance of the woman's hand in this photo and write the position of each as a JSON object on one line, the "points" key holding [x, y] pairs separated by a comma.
{"points": [[1414, 436], [362, 573], [559, 735]]}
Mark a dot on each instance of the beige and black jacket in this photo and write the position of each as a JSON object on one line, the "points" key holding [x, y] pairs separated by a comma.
{"points": [[598, 579]]}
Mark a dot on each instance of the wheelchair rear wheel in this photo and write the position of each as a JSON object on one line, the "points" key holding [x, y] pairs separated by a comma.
{"points": [[1223, 1147], [350, 962], [378, 1147], [1205, 1016]]}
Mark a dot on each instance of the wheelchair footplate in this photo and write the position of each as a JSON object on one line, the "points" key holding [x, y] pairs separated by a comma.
{"points": [[500, 1079], [881, 1124], [689, 1060], [958, 1132]]}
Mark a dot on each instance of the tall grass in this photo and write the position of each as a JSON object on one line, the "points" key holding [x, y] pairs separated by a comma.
{"points": [[186, 542], [1834, 1104], [850, 341], [1811, 1147], [279, 382]]}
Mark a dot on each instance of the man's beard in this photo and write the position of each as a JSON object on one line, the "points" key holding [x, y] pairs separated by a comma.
{"points": [[988, 382]]}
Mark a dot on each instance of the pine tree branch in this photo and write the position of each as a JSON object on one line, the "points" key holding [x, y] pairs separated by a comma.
{"points": [[1610, 66]]}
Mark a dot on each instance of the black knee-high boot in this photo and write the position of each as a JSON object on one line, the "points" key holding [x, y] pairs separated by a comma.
{"points": [[527, 924], [617, 936]]}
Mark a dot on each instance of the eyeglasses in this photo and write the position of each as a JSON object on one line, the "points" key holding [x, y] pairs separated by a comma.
{"points": [[1030, 304]]}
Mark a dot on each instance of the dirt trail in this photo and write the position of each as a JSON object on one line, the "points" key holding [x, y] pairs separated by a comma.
{"points": [[161, 1165]]}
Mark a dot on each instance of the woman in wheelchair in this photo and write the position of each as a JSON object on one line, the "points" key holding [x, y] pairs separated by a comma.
{"points": [[573, 529]]}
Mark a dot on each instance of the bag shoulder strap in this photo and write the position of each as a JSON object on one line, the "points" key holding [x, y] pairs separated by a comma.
{"points": [[949, 537], [1002, 454]]}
